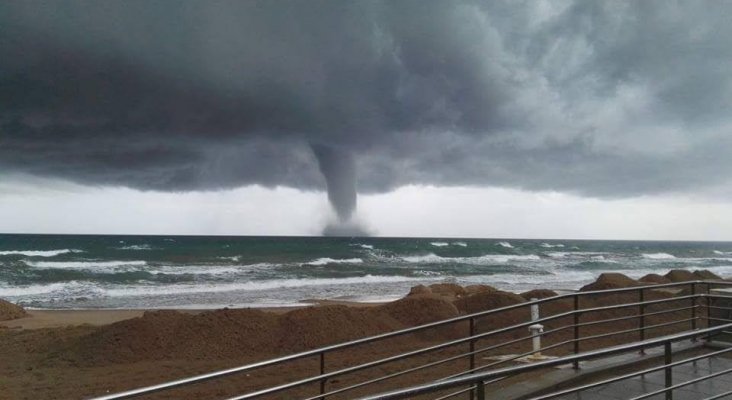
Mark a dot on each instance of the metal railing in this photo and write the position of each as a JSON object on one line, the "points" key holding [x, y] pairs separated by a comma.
{"points": [[473, 336], [478, 379]]}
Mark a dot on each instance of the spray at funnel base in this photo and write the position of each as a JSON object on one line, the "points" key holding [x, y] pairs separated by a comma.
{"points": [[339, 170]]}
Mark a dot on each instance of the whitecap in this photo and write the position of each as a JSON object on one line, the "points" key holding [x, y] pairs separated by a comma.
{"points": [[487, 259], [146, 290], [461, 244], [84, 265], [550, 246], [440, 244], [327, 260], [136, 247], [658, 256], [210, 269], [506, 245], [39, 253]]}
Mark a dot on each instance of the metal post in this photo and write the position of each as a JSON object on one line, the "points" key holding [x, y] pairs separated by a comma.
{"points": [[575, 364], [472, 352], [667, 371], [322, 371], [693, 309], [642, 319], [709, 310], [472, 344], [481, 390]]}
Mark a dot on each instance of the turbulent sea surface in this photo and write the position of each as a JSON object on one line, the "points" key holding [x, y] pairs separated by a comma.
{"points": [[63, 271]]}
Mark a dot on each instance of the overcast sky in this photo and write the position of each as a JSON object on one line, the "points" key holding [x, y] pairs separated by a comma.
{"points": [[549, 119]]}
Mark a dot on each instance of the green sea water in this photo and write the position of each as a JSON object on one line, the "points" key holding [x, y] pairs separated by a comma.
{"points": [[101, 271]]}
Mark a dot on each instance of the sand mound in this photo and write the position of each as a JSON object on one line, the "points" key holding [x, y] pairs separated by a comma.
{"points": [[487, 301], [175, 335], [610, 280], [707, 275], [313, 327], [538, 294], [419, 290], [654, 278], [250, 334], [10, 311], [680, 275], [470, 289], [412, 311], [450, 290]]}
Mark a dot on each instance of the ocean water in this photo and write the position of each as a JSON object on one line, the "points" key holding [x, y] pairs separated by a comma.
{"points": [[97, 271]]}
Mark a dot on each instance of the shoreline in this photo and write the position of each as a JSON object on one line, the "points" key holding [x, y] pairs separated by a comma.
{"points": [[60, 318]]}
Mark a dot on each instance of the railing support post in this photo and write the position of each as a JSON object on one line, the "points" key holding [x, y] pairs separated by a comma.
{"points": [[322, 371], [480, 389], [667, 371], [642, 319], [472, 344], [575, 364], [709, 310], [693, 309], [472, 352]]}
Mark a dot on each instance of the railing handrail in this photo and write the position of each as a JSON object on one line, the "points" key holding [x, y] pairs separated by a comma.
{"points": [[477, 378], [386, 335]]}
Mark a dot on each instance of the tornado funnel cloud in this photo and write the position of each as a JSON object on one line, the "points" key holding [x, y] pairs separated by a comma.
{"points": [[339, 169]]}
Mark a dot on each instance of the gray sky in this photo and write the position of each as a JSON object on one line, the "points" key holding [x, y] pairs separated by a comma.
{"points": [[605, 108]]}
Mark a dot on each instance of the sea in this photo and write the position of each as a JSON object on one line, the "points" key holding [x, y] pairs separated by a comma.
{"points": [[144, 272]]}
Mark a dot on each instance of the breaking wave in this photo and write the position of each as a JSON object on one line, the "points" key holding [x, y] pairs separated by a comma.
{"points": [[658, 256], [38, 253], [326, 261], [487, 259]]}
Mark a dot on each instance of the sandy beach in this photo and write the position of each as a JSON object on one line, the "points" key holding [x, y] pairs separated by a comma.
{"points": [[62, 354]]}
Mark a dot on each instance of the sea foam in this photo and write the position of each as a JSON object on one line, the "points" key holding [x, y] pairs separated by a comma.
{"points": [[480, 260], [327, 260], [38, 253], [658, 256], [85, 265]]}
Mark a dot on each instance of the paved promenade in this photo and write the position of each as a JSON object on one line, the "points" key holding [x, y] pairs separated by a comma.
{"points": [[651, 382]]}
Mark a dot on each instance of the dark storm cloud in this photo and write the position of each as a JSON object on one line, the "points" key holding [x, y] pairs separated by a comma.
{"points": [[598, 98]]}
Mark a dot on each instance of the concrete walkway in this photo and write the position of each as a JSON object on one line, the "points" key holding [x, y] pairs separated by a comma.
{"points": [[654, 381]]}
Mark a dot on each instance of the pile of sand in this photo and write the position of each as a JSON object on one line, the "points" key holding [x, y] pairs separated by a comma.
{"points": [[654, 279], [680, 275], [483, 301], [246, 333], [314, 327], [419, 290], [10, 311], [168, 334], [538, 294], [610, 280], [707, 275], [471, 289]]}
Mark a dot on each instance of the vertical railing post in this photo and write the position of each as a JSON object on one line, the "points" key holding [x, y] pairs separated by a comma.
{"points": [[709, 310], [667, 371], [642, 318], [481, 391], [693, 309], [322, 372], [472, 343], [472, 353], [575, 364]]}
